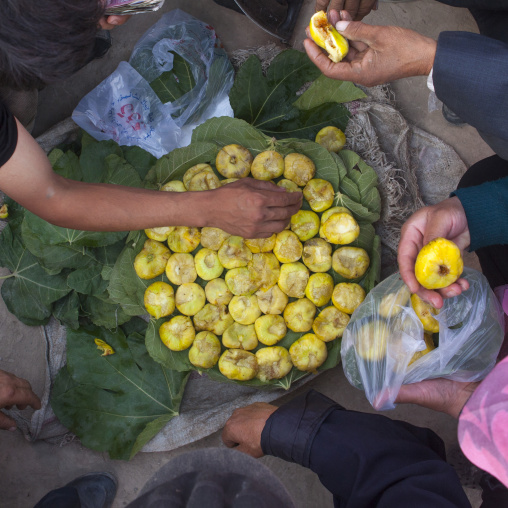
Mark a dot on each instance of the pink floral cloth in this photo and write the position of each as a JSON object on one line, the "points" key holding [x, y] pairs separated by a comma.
{"points": [[483, 423]]}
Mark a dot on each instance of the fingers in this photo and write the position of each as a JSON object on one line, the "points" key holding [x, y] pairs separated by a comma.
{"points": [[352, 6], [357, 31], [110, 22], [7, 423], [341, 70], [19, 395], [411, 241]]}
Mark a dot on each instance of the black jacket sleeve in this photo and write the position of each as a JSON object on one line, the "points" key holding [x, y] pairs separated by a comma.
{"points": [[364, 460], [8, 134], [470, 76]]}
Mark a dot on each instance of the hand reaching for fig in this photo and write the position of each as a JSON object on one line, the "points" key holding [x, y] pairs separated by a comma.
{"points": [[377, 54], [447, 220], [250, 208]]}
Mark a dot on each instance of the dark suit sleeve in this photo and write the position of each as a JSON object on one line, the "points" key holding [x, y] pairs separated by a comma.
{"points": [[470, 76], [365, 460]]}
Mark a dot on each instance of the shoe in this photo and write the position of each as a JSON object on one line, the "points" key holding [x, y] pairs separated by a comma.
{"points": [[95, 490], [451, 117]]}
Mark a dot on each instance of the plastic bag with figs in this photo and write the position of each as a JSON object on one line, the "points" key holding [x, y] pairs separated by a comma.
{"points": [[394, 338]]}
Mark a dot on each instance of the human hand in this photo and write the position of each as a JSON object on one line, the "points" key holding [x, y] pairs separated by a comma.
{"points": [[357, 9], [243, 429], [439, 394], [250, 208], [15, 392], [444, 220], [110, 22], [377, 54]]}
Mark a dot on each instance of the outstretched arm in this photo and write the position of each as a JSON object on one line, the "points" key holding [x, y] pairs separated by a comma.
{"points": [[363, 459], [249, 208]]}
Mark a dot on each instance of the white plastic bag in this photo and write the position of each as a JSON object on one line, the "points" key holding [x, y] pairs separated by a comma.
{"points": [[384, 333], [126, 109]]}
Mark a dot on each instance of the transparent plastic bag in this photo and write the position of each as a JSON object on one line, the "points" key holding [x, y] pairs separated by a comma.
{"points": [[125, 108], [195, 41], [384, 334]]}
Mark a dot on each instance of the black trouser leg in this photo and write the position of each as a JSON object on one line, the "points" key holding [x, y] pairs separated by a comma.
{"points": [[66, 497], [492, 24], [493, 259]]}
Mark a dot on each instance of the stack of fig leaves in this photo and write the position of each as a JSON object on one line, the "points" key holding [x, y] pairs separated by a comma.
{"points": [[86, 280], [346, 172]]}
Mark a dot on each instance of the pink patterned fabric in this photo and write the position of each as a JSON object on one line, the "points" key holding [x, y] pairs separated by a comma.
{"points": [[483, 423]]}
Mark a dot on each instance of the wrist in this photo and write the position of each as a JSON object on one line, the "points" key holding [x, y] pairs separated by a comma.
{"points": [[427, 54]]}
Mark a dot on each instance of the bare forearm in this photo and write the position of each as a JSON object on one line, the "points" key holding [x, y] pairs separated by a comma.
{"points": [[103, 207]]}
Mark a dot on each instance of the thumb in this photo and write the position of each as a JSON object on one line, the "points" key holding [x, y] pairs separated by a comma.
{"points": [[7, 423], [356, 31]]}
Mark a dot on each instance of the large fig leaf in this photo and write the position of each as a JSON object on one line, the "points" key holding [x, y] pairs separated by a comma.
{"points": [[114, 403], [139, 159], [171, 85], [50, 234], [93, 159], [29, 291], [271, 103], [102, 312], [325, 90]]}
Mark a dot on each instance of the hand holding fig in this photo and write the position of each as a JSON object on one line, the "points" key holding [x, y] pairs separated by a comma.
{"points": [[377, 54], [251, 208], [444, 220]]}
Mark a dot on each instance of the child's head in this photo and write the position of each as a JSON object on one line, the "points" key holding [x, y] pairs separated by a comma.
{"points": [[43, 41]]}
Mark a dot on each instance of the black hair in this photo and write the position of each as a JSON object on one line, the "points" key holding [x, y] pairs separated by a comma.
{"points": [[43, 41]]}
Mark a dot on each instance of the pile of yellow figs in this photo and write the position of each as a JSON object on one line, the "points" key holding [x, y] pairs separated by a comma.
{"points": [[255, 289]]}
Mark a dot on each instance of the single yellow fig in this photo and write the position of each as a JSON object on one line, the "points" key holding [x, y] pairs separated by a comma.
{"points": [[319, 193], [195, 170], [159, 299], [340, 228], [213, 318], [347, 296], [425, 313], [350, 262], [274, 363], [288, 247], [174, 186], [272, 301], [327, 37], [267, 165], [184, 239], [317, 255], [204, 181], [160, 234], [205, 350], [270, 329], [293, 279], [289, 185], [392, 304], [4, 212], [299, 315], [335, 209], [299, 169], [258, 245], [330, 324], [233, 253], [239, 336], [181, 269], [265, 270], [213, 238], [244, 309], [190, 298], [234, 161], [207, 264], [217, 292], [331, 138], [151, 260], [308, 353], [238, 364], [438, 264], [319, 289], [178, 333], [241, 281], [305, 224]]}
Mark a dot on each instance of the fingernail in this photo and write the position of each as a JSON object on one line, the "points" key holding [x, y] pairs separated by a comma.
{"points": [[341, 26], [12, 429]]}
